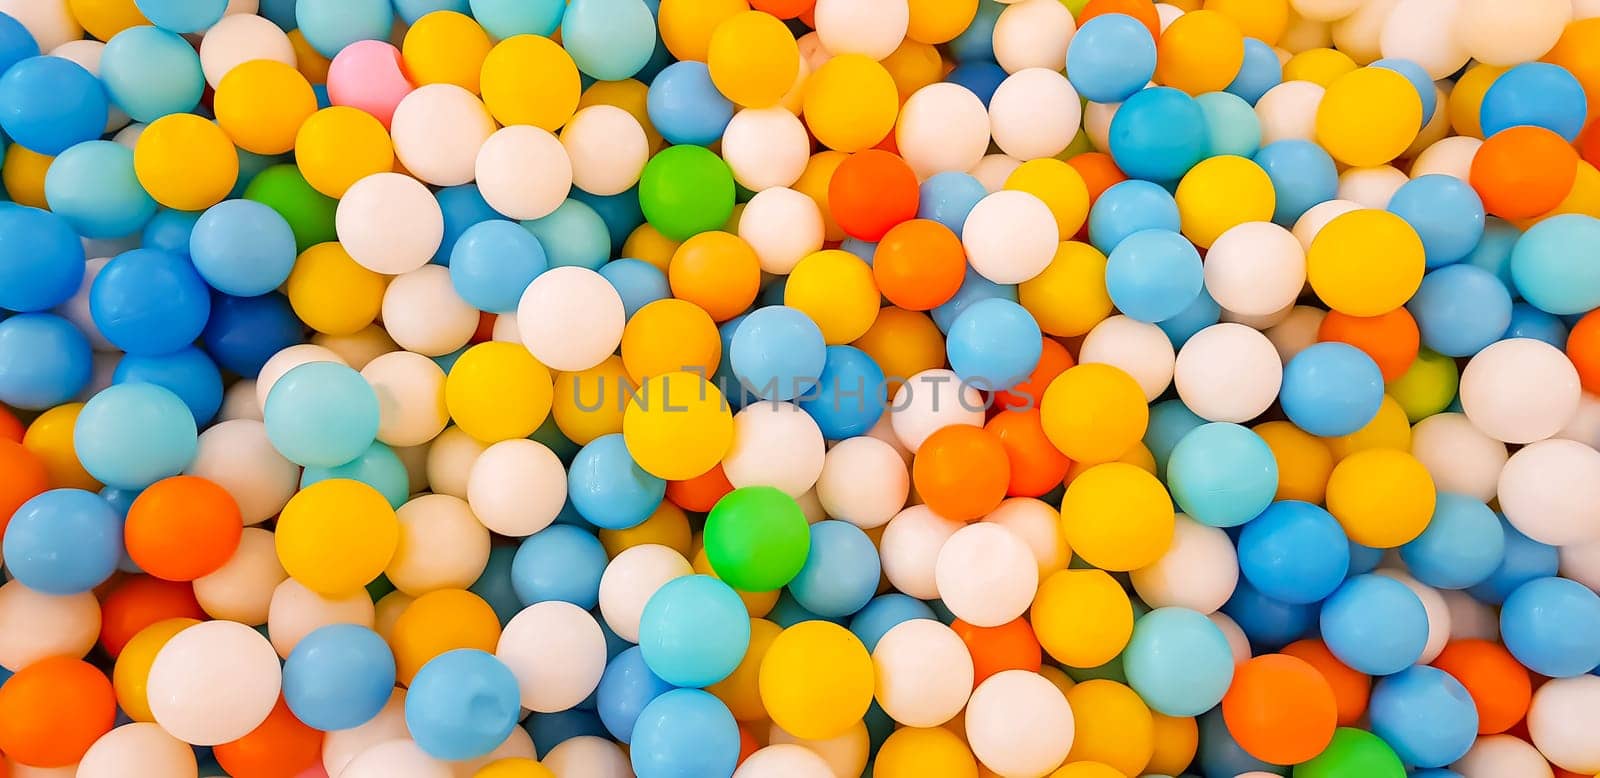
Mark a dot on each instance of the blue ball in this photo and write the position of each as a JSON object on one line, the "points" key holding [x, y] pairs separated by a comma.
{"points": [[1425, 715], [885, 612], [41, 259], [1111, 57], [1302, 176], [552, 729], [1538, 94], [148, 301], [694, 631], [1530, 322], [1460, 309], [1552, 626], [1178, 661], [850, 396], [1420, 81], [132, 435], [1375, 624], [609, 489], [1552, 268], [462, 206], [187, 373], [863, 250], [338, 677], [244, 332], [44, 361], [1524, 560], [1200, 314], [493, 262], [321, 414], [620, 212], [572, 234], [841, 572], [1154, 275], [1260, 71], [976, 43], [994, 344], [1222, 474], [638, 283], [626, 687], [1220, 754], [462, 704], [1493, 252], [949, 197], [974, 287], [16, 43], [1270, 624], [169, 230], [685, 732], [182, 16], [378, 467], [981, 78], [1170, 421], [64, 541], [495, 584], [686, 107], [505, 18], [1364, 559], [1295, 552], [1446, 213], [1130, 207], [1231, 124], [412, 10], [50, 104], [331, 25], [1158, 134], [787, 612], [1462, 545], [242, 248], [1331, 389], [560, 562], [778, 353], [610, 40], [93, 187]]}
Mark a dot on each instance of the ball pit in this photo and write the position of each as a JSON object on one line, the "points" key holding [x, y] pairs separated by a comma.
{"points": [[799, 388]]}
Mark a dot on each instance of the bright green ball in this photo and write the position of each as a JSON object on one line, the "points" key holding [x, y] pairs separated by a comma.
{"points": [[309, 212], [686, 190], [757, 539], [1354, 753]]}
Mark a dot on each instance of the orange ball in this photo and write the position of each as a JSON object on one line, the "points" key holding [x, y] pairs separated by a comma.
{"points": [[1099, 171], [1523, 171], [870, 192], [1142, 10], [700, 493], [1280, 709], [25, 478], [139, 601], [1054, 360], [919, 264], [182, 528], [10, 426], [281, 747], [1350, 687], [1036, 465], [717, 271], [1583, 348], [962, 472], [52, 710], [1391, 339], [1589, 143], [784, 9], [1501, 687], [1010, 646]]}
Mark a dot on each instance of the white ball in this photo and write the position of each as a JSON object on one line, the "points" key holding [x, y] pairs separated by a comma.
{"points": [[1451, 157], [396, 759], [137, 750], [1166, 14], [389, 223], [1458, 455], [295, 611], [1500, 33], [437, 130], [1097, 118], [629, 581], [50, 22], [884, 431], [1585, 9], [1470, 619], [1325, 10], [783, 227], [517, 745], [359, 348], [102, 368], [410, 390], [35, 625], [811, 507], [1140, 349], [1255, 268], [1228, 372], [571, 318], [240, 38], [784, 760], [1520, 390], [1502, 756], [1437, 127], [1018, 723], [1370, 187], [775, 444], [524, 171], [1034, 113], [1010, 237], [342, 745], [766, 148], [241, 590], [930, 401], [1439, 628], [942, 127], [607, 148], [442, 545], [1263, 321], [1550, 491], [1297, 332], [845, 754], [1423, 31], [1312, 221], [1357, 34], [1563, 720], [286, 360], [1038, 525], [587, 756], [863, 481], [909, 550], [517, 487], [1288, 111], [993, 170], [1033, 34], [871, 27], [1303, 34], [450, 459], [1198, 571], [1234, 634], [1581, 563], [557, 652], [986, 575], [239, 402], [238, 456], [203, 660], [423, 312], [923, 673], [76, 308], [1585, 424]]}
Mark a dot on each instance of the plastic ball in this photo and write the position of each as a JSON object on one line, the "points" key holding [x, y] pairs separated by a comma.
{"points": [[389, 223], [1438, 307], [44, 361], [190, 665], [334, 558], [338, 677], [1111, 57], [1201, 51], [1117, 517], [1279, 708], [1424, 693], [1523, 171], [816, 680], [1352, 378], [1530, 639], [557, 653], [1543, 269], [1547, 392], [1198, 571], [242, 248], [1147, 138], [1558, 715], [59, 542], [1019, 128], [1153, 275], [1555, 513], [132, 435], [1222, 475], [694, 630], [756, 539], [92, 185], [632, 579], [1037, 745], [1375, 624], [1255, 268], [670, 723], [48, 104], [1339, 274], [445, 689]]}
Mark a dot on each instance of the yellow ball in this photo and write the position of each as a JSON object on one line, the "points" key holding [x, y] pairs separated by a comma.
{"points": [[50, 438], [1118, 517], [677, 426], [1061, 188], [851, 103], [753, 59], [1177, 738], [1094, 413], [741, 691], [1069, 297], [903, 343], [670, 335], [687, 26], [647, 243], [668, 526], [1083, 618], [1368, 117], [530, 79], [1319, 66], [1382, 497], [1139, 456], [445, 47], [758, 604], [514, 767], [440, 621], [816, 680], [497, 391], [1201, 51], [331, 293], [339, 146], [836, 289], [590, 403], [1111, 725], [23, 174], [1265, 20], [913, 66], [1389, 429], [935, 752], [1087, 770], [1221, 193], [187, 163], [1365, 263], [105, 18], [1466, 99], [939, 21], [132, 670], [814, 182], [261, 105], [336, 536], [1304, 461]]}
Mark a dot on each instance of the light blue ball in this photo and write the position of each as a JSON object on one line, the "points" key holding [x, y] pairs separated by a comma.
{"points": [[1462, 545], [560, 562], [1295, 552], [948, 197], [788, 612], [638, 283], [1302, 176], [1530, 322], [462, 704], [50, 104], [1460, 309], [1158, 134], [16, 43], [338, 677], [1331, 389], [378, 467], [685, 732], [1552, 626], [1420, 81], [976, 43], [493, 262], [321, 414], [1154, 275], [1552, 267], [1111, 57], [685, 106], [1375, 625], [242, 248], [495, 586], [610, 40], [1538, 94], [1524, 560], [778, 353], [1364, 559], [132, 435], [974, 287], [884, 613], [864, 250], [182, 16], [1170, 421], [93, 187], [187, 372], [148, 301], [1222, 474], [1493, 252], [841, 571], [572, 234], [331, 25], [994, 344], [505, 18], [1178, 661], [626, 687], [1446, 213], [1127, 208], [1231, 124], [63, 541], [412, 10], [1200, 314], [851, 395], [1219, 754], [44, 361], [621, 213], [1270, 624], [462, 206], [41, 259], [1425, 715], [694, 631], [1260, 71], [169, 230], [609, 489]]}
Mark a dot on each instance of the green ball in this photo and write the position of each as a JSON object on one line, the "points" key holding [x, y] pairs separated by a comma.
{"points": [[308, 212], [686, 190], [757, 539], [1427, 387], [1354, 753]]}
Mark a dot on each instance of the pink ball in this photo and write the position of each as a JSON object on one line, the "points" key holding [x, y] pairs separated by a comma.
{"points": [[371, 76]]}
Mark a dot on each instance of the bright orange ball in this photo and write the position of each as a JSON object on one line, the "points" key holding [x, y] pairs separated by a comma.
{"points": [[1280, 709], [717, 271], [52, 710], [10, 426], [919, 264], [1036, 465], [700, 493], [1391, 339], [1142, 10], [872, 191], [1583, 348], [1053, 361], [25, 478], [1010, 646], [962, 472], [280, 747], [1523, 171], [182, 528], [1351, 688], [139, 601], [1500, 687]]}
